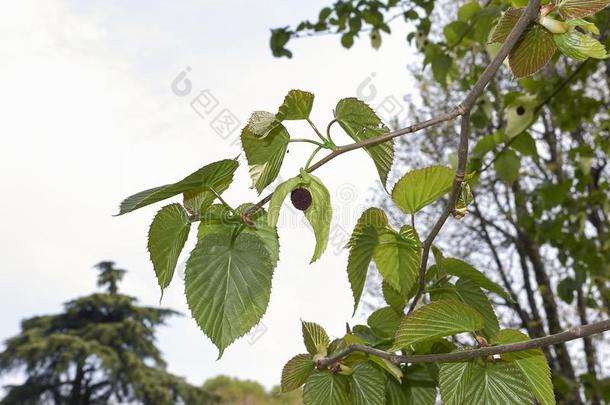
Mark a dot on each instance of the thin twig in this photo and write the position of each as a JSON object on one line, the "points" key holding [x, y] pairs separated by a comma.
{"points": [[576, 332]]}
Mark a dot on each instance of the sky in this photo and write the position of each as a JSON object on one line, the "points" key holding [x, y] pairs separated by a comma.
{"points": [[94, 108]]}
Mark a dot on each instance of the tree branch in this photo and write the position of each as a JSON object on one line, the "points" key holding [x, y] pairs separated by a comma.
{"points": [[576, 332]]}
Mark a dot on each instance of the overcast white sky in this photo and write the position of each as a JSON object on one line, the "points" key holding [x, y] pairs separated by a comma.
{"points": [[88, 117]]}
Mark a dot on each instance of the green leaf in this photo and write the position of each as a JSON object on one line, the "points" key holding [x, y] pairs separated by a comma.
{"points": [[197, 200], [393, 298], [579, 46], [505, 25], [417, 388], [437, 319], [214, 175], [520, 115], [570, 9], [265, 140], [360, 122], [472, 295], [368, 385], [397, 257], [533, 366], [296, 371], [525, 144], [315, 338], [361, 245], [566, 288], [166, 237], [297, 106], [319, 214], [228, 284], [325, 388], [507, 165], [384, 321], [532, 52], [497, 383], [421, 187], [453, 382], [388, 366], [461, 269], [219, 218], [441, 65]]}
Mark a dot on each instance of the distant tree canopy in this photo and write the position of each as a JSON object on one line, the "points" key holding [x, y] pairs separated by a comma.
{"points": [[101, 349], [233, 391]]}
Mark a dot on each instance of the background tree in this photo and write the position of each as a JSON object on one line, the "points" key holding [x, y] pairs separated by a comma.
{"points": [[538, 224], [100, 350], [233, 391]]}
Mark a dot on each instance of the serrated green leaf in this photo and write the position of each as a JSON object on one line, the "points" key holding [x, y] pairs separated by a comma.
{"points": [[533, 366], [388, 366], [421, 187], [367, 385], [461, 269], [497, 383], [525, 144], [166, 237], [315, 338], [505, 25], [532, 52], [297, 106], [507, 166], [228, 284], [197, 200], [264, 139], [319, 214], [453, 382], [361, 246], [579, 46], [384, 321], [570, 9], [360, 122], [325, 388], [296, 371], [214, 175], [397, 257], [437, 319]]}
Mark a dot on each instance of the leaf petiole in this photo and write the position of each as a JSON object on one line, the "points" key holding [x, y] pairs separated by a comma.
{"points": [[223, 202]]}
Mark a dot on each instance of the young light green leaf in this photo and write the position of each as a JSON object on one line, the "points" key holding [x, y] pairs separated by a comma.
{"points": [[388, 366], [297, 106], [437, 319], [264, 139], [570, 9], [520, 115], [384, 321], [214, 175], [453, 382], [368, 385], [319, 214], [421, 187], [497, 383], [579, 46], [166, 237], [325, 388], [296, 371], [461, 269], [507, 165], [532, 364], [315, 338], [532, 52], [228, 284], [397, 257], [360, 122]]}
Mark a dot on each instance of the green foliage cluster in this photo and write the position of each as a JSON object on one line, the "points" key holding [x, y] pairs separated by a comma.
{"points": [[99, 350], [233, 391], [229, 272]]}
